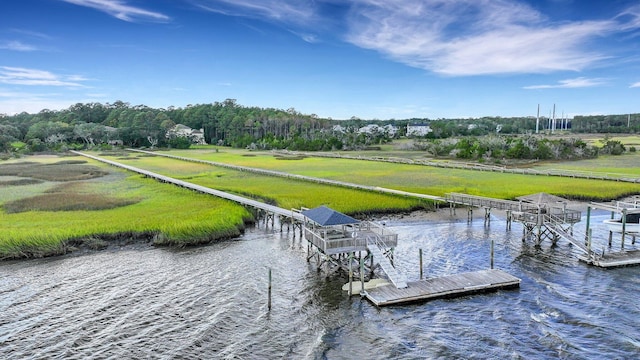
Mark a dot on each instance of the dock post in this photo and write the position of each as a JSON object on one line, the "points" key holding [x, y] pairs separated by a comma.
{"points": [[469, 215], [508, 220], [589, 242], [487, 216], [371, 265], [269, 300], [492, 241], [350, 274], [624, 226], [420, 264], [361, 276], [588, 225]]}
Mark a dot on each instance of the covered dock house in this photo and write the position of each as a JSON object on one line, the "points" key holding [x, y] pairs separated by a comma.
{"points": [[338, 239]]}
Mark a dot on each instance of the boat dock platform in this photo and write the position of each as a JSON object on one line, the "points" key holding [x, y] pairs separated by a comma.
{"points": [[614, 259], [443, 287]]}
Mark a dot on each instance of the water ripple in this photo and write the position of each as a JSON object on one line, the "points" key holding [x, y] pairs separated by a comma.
{"points": [[210, 302]]}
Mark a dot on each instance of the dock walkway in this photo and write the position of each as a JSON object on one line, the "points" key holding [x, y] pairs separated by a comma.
{"points": [[442, 287]]}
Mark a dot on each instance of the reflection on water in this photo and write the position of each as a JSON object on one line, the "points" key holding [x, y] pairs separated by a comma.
{"points": [[211, 302]]}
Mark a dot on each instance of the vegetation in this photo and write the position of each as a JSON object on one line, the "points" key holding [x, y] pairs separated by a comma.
{"points": [[131, 207], [285, 193], [418, 178], [227, 123]]}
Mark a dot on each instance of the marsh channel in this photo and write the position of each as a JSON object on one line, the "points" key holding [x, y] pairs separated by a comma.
{"points": [[210, 302]]}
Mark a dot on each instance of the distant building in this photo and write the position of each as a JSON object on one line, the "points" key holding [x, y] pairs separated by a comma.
{"points": [[388, 130], [370, 129], [196, 136], [422, 129], [391, 130]]}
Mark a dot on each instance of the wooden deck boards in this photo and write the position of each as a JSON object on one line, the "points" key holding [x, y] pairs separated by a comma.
{"points": [[617, 259], [445, 286]]}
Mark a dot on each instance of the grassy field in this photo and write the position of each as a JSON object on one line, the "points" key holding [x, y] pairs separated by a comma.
{"points": [[437, 181], [282, 192], [54, 216]]}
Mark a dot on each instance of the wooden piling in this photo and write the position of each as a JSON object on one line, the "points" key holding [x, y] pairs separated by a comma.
{"points": [[492, 242], [269, 300], [588, 224], [361, 275], [350, 274], [624, 226], [420, 251]]}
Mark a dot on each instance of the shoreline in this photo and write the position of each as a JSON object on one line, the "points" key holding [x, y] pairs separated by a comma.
{"points": [[127, 241]]}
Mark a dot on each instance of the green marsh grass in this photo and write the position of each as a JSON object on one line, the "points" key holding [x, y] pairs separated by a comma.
{"points": [[161, 213], [285, 193], [432, 180]]}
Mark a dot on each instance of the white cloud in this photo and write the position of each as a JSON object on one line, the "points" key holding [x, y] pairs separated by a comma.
{"points": [[635, 85], [34, 77], [580, 82], [449, 37], [119, 9], [17, 46], [474, 37], [285, 11]]}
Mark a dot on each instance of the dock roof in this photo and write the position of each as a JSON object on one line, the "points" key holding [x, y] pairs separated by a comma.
{"points": [[325, 216]]}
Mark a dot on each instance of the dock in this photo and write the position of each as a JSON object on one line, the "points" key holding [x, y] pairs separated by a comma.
{"points": [[614, 259], [443, 287]]}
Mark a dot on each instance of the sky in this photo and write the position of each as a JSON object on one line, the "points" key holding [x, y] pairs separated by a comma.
{"points": [[371, 59]]}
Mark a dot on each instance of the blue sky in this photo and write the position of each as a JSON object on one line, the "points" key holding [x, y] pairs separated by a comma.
{"points": [[374, 59]]}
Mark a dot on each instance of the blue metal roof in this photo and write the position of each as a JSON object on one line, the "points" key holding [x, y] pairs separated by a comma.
{"points": [[325, 216]]}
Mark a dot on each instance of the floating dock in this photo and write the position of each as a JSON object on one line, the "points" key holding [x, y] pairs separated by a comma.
{"points": [[614, 259], [443, 287]]}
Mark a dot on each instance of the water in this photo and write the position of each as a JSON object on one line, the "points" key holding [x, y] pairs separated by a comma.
{"points": [[211, 303]]}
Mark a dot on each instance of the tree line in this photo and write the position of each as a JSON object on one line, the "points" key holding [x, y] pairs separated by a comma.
{"points": [[230, 124]]}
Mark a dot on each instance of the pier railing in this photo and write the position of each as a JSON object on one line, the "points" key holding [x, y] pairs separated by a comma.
{"points": [[332, 241]]}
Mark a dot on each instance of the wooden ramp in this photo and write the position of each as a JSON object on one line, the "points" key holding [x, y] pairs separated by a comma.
{"points": [[445, 286]]}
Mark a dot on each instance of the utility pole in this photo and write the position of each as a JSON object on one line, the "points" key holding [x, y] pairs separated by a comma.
{"points": [[538, 120], [553, 121]]}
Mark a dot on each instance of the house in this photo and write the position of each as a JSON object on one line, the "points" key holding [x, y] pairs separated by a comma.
{"points": [[388, 130], [196, 136], [421, 129]]}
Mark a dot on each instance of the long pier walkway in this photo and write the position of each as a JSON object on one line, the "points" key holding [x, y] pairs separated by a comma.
{"points": [[271, 209]]}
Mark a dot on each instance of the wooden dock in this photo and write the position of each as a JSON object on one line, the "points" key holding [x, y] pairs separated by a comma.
{"points": [[442, 287], [613, 259]]}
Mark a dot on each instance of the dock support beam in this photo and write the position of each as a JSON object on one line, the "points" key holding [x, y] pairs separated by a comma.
{"points": [[361, 276], [469, 215], [350, 274], [624, 225], [588, 225]]}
